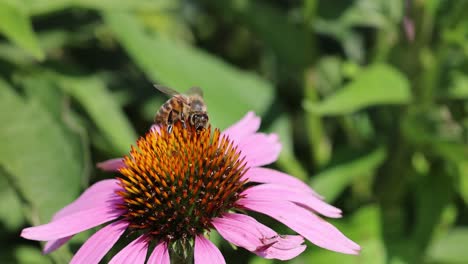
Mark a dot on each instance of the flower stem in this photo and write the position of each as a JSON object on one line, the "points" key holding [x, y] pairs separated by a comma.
{"points": [[181, 252]]}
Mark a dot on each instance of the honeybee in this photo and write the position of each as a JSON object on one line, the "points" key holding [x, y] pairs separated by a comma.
{"points": [[188, 107]]}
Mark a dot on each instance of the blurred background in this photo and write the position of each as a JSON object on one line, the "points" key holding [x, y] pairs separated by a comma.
{"points": [[369, 98]]}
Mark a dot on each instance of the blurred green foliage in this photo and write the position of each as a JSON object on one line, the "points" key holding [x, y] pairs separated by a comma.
{"points": [[369, 98]]}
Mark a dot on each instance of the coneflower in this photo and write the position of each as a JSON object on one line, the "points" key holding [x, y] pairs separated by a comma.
{"points": [[176, 187]]}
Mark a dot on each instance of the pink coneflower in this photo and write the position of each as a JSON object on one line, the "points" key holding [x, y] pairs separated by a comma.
{"points": [[176, 187]]}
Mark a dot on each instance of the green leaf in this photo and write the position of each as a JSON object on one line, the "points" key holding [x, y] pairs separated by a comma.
{"points": [[459, 89], [463, 178], [94, 96], [16, 26], [377, 85], [45, 7], [37, 155], [329, 75], [274, 27], [331, 182], [11, 211], [30, 255], [51, 98], [429, 208], [450, 248], [259, 260], [287, 160], [229, 92], [367, 235]]}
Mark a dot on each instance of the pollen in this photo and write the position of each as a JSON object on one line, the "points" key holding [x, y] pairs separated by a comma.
{"points": [[175, 183]]}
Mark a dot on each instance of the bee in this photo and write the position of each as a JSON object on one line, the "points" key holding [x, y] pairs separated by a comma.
{"points": [[189, 107]]}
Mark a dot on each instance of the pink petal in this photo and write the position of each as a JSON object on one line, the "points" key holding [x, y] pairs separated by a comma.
{"points": [[283, 248], [206, 252], [135, 252], [241, 232], [248, 125], [265, 175], [53, 245], [260, 149], [160, 255], [155, 128], [72, 224], [275, 192], [304, 222], [95, 196], [97, 246], [285, 241], [111, 165], [244, 231]]}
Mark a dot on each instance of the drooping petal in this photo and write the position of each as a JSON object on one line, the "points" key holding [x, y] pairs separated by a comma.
{"points": [[238, 232], [206, 252], [97, 246], [53, 245], [72, 224], [135, 252], [260, 149], [160, 254], [111, 165], [95, 196], [283, 248], [244, 231], [248, 125], [265, 175], [275, 192], [304, 222]]}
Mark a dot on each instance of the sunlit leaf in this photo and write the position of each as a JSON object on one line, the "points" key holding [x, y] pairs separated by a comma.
{"points": [[450, 248], [51, 98], [229, 92], [37, 155], [259, 260], [459, 89], [16, 26], [44, 7], [94, 96], [376, 85], [364, 13], [331, 182]]}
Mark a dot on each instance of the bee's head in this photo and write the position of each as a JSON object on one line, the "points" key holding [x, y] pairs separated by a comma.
{"points": [[199, 120]]}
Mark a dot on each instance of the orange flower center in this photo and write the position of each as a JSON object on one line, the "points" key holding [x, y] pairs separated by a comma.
{"points": [[175, 183]]}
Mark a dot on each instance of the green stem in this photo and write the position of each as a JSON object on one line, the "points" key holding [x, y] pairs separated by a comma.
{"points": [[181, 252], [320, 146]]}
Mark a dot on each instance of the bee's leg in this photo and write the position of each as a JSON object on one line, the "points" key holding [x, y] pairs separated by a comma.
{"points": [[170, 122], [182, 120]]}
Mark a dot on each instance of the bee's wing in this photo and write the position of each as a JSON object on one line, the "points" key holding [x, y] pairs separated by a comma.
{"points": [[171, 92], [166, 90], [195, 91]]}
